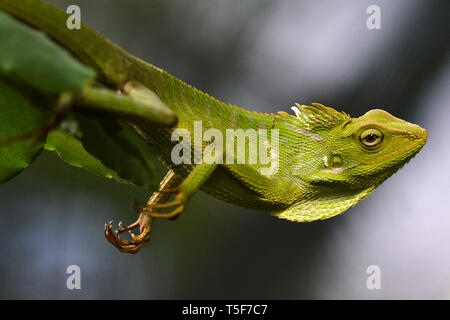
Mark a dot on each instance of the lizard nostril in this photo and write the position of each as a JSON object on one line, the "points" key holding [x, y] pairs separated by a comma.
{"points": [[420, 134]]}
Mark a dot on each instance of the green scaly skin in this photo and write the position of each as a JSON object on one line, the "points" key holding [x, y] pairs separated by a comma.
{"points": [[324, 167]]}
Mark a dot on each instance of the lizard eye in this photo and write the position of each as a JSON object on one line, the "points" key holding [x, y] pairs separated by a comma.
{"points": [[371, 138]]}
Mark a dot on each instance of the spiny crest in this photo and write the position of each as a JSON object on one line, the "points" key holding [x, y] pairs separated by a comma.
{"points": [[318, 116]]}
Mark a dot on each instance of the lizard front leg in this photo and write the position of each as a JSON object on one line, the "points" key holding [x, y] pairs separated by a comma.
{"points": [[144, 222]]}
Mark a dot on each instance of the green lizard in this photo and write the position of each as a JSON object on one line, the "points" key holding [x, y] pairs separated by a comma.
{"points": [[322, 162]]}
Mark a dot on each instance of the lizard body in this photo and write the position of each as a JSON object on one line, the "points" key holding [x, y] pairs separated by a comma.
{"points": [[326, 161]]}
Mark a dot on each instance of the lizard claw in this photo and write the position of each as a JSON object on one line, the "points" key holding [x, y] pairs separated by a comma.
{"points": [[138, 242]]}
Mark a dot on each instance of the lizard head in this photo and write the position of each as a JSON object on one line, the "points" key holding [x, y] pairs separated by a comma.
{"points": [[376, 144], [346, 158], [360, 151]]}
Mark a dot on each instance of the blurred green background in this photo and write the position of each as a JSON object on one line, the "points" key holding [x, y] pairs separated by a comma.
{"points": [[262, 55]]}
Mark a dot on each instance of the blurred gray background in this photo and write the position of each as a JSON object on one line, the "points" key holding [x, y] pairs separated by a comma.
{"points": [[262, 55]]}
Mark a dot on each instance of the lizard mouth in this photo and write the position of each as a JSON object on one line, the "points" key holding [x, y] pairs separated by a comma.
{"points": [[420, 137], [411, 150], [424, 136]]}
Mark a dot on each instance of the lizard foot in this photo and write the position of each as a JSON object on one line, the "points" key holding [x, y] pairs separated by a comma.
{"points": [[179, 205], [144, 222]]}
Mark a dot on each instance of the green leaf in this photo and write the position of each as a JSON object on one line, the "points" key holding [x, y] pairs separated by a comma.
{"points": [[30, 56], [32, 68], [41, 69], [120, 148], [71, 150], [17, 117]]}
